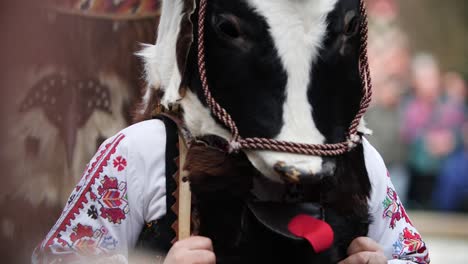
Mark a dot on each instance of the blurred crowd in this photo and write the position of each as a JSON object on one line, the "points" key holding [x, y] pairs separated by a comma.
{"points": [[419, 117]]}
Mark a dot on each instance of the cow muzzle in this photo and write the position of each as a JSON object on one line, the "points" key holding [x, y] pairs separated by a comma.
{"points": [[296, 175]]}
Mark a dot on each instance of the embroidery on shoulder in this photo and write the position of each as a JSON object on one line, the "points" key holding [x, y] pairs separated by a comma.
{"points": [[113, 196], [393, 209], [410, 246], [113, 199]]}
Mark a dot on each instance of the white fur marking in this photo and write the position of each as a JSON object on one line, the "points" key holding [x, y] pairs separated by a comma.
{"points": [[199, 120], [362, 128], [298, 28], [161, 59]]}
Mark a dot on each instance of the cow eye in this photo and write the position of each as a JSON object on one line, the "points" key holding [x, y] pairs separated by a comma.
{"points": [[227, 26], [352, 21]]}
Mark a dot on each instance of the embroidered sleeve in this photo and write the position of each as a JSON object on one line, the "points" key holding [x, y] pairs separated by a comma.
{"points": [[391, 227], [106, 211]]}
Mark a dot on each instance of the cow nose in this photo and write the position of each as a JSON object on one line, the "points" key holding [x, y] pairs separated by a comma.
{"points": [[292, 174]]}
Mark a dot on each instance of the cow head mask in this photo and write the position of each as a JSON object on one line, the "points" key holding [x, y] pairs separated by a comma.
{"points": [[283, 70]]}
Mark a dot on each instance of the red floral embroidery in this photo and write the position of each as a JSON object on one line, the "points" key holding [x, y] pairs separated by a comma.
{"points": [[88, 241], [81, 231], [410, 246], [120, 163], [89, 179], [113, 199], [393, 208]]}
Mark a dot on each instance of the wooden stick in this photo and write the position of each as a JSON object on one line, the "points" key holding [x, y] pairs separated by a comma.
{"points": [[185, 195]]}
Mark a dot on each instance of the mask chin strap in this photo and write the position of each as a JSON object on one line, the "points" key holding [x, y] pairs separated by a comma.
{"points": [[238, 143]]}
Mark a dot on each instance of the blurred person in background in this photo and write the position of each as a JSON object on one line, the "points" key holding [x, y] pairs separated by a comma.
{"points": [[385, 118], [455, 91], [391, 60], [430, 128], [451, 192], [385, 11]]}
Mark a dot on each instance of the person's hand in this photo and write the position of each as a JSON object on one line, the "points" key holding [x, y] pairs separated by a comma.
{"points": [[364, 250], [193, 250]]}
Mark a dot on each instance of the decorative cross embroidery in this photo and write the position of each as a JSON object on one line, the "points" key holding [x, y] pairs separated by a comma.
{"points": [[120, 163], [92, 212]]}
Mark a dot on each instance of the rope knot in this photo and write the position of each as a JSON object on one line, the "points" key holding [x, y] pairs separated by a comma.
{"points": [[234, 146], [353, 141]]}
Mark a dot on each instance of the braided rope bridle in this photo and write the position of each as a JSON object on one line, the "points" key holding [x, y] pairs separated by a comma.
{"points": [[238, 143]]}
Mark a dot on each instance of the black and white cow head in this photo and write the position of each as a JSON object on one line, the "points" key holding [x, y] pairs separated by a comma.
{"points": [[284, 69]]}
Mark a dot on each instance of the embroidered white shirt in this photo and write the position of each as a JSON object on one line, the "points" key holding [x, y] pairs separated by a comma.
{"points": [[123, 187]]}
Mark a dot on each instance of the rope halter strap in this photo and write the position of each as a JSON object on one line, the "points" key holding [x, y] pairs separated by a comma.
{"points": [[238, 143]]}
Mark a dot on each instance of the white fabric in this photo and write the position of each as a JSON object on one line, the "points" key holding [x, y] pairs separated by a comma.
{"points": [[391, 226], [122, 188], [139, 183]]}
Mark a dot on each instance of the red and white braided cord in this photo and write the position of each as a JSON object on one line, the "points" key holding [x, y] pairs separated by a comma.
{"points": [[238, 142]]}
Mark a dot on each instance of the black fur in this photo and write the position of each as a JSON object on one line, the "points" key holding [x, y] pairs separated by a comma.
{"points": [[335, 89], [243, 72]]}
